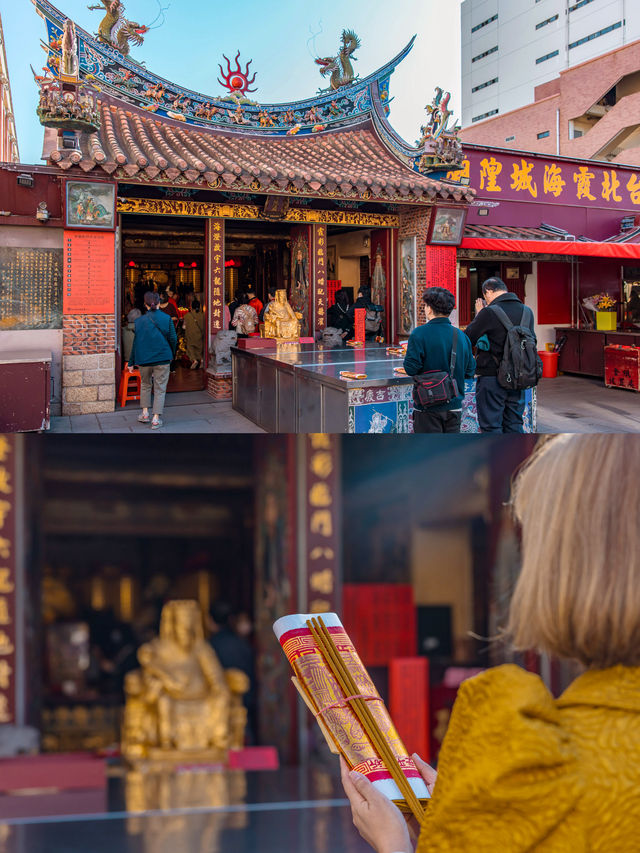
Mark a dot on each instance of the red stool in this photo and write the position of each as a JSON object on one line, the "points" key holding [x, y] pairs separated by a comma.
{"points": [[130, 384]]}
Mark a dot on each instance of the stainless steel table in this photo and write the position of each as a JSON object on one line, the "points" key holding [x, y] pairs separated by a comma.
{"points": [[298, 389]]}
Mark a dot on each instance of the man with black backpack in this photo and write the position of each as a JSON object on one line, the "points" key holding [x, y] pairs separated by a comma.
{"points": [[508, 361], [440, 359]]}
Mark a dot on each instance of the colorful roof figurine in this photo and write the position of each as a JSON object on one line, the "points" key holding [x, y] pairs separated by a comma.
{"points": [[338, 144]]}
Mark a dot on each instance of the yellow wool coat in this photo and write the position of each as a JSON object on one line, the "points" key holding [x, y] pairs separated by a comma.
{"points": [[520, 771]]}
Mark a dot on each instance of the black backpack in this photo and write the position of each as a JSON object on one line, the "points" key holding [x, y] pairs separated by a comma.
{"points": [[521, 366]]}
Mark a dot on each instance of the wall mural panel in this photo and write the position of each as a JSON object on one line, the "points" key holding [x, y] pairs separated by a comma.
{"points": [[407, 295]]}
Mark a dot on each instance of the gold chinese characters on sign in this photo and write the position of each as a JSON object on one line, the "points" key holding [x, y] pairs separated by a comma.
{"points": [[507, 177], [181, 705], [7, 582], [217, 259], [30, 288], [322, 522], [180, 207]]}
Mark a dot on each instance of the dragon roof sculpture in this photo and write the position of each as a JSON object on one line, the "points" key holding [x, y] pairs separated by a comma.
{"points": [[128, 94]]}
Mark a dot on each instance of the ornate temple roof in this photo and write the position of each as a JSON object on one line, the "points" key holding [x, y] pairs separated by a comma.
{"points": [[338, 144]]}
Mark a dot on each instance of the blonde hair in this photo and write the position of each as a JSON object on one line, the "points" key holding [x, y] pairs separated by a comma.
{"points": [[578, 595]]}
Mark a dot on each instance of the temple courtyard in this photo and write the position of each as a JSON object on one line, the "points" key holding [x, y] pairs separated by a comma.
{"points": [[565, 404]]}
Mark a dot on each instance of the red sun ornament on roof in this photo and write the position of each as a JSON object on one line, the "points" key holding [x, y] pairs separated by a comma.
{"points": [[236, 80]]}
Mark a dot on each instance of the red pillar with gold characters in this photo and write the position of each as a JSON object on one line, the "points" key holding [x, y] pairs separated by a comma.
{"points": [[319, 494], [216, 258], [19, 596], [320, 276]]}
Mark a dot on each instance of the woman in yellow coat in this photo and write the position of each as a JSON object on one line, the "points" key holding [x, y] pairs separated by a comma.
{"points": [[519, 770]]}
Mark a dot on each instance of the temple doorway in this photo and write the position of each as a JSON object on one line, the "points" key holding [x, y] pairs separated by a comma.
{"points": [[139, 534], [257, 258], [166, 254]]}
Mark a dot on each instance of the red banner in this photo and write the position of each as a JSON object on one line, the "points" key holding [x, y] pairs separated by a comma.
{"points": [[441, 267], [623, 251], [322, 500], [361, 316], [216, 274], [409, 703], [89, 272], [320, 280], [7, 580], [381, 619]]}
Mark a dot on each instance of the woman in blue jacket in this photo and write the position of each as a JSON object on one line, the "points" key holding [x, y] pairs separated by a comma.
{"points": [[153, 350]]}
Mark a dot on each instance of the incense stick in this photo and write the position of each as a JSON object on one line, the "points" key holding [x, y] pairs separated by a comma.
{"points": [[368, 721], [347, 683], [384, 748]]}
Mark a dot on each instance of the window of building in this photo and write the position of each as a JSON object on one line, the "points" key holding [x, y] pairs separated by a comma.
{"points": [[484, 24], [486, 53], [484, 85], [485, 115], [577, 5], [544, 134], [548, 21], [547, 56], [596, 35]]}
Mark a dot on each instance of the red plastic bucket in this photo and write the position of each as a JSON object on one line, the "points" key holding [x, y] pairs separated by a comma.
{"points": [[549, 364]]}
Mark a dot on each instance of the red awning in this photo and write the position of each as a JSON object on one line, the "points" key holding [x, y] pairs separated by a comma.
{"points": [[622, 251]]}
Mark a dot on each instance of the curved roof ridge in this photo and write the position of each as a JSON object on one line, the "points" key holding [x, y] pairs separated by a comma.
{"points": [[108, 70]]}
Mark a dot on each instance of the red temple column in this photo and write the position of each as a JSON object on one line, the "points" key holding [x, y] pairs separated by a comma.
{"points": [[19, 603], [298, 560]]}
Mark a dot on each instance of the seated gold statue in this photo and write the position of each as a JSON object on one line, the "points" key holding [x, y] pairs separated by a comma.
{"points": [[181, 703], [281, 321]]}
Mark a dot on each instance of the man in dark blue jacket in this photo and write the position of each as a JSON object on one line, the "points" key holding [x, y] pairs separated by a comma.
{"points": [[499, 410], [429, 349], [154, 348]]}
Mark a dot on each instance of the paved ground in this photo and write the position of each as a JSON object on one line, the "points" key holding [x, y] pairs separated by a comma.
{"points": [[188, 412], [287, 811], [565, 404], [582, 404]]}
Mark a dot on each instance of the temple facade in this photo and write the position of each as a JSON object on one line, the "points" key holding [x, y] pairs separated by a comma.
{"points": [[147, 184]]}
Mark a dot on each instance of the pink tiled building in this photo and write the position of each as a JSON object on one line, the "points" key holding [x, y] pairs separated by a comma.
{"points": [[590, 111]]}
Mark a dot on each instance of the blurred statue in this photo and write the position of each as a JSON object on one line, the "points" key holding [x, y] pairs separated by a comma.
{"points": [[282, 322], [181, 703]]}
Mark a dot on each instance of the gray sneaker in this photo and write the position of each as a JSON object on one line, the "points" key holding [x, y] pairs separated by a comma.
{"points": [[156, 424]]}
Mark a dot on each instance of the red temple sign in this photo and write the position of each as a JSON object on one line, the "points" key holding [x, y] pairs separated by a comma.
{"points": [[89, 272], [361, 316], [216, 273], [503, 176], [320, 256]]}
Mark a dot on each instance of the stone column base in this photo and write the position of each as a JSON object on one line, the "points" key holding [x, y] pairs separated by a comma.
{"points": [[88, 384], [220, 382]]}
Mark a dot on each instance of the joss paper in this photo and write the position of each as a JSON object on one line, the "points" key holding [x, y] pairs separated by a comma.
{"points": [[334, 713]]}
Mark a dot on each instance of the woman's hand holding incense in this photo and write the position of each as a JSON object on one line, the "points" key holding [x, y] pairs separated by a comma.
{"points": [[378, 821], [426, 771]]}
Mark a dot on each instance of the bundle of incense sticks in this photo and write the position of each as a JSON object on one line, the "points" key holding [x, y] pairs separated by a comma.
{"points": [[339, 692], [348, 374]]}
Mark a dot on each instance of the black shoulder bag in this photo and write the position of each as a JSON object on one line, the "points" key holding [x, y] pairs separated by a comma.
{"points": [[437, 387]]}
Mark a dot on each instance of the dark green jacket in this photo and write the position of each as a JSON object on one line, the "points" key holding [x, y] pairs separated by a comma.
{"points": [[155, 340], [430, 349]]}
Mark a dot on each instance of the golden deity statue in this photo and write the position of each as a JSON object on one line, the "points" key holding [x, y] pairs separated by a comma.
{"points": [[281, 321], [181, 704]]}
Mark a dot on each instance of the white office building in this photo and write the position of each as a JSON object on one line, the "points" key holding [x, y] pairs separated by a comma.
{"points": [[511, 46]]}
